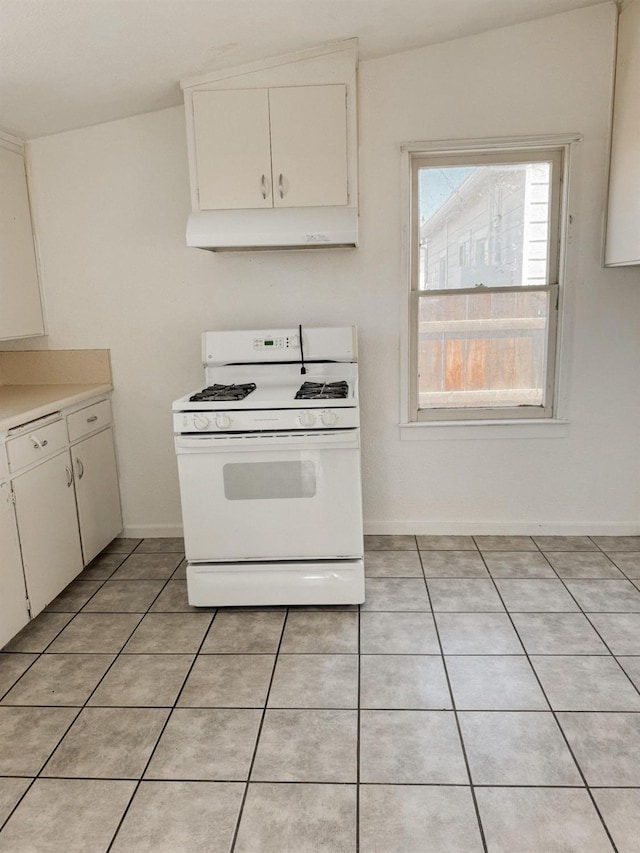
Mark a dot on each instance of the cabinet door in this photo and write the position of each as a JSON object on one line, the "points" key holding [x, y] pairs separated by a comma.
{"points": [[623, 220], [97, 492], [233, 158], [21, 311], [309, 145], [13, 597], [48, 528]]}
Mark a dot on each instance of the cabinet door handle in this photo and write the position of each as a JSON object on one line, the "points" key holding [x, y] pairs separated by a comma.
{"points": [[281, 185], [263, 186], [69, 476], [80, 468], [92, 419]]}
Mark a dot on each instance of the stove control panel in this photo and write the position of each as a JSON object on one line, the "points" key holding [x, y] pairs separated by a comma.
{"points": [[286, 342], [201, 422], [307, 417], [329, 418], [264, 420]]}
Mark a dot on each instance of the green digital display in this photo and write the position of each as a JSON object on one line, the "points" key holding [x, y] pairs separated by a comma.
{"points": [[268, 343]]}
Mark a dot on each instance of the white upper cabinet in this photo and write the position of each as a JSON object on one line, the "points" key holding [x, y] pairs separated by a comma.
{"points": [[277, 134], [20, 305], [623, 221], [233, 155], [309, 145], [276, 147]]}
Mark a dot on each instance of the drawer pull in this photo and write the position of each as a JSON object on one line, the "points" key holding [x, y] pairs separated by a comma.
{"points": [[92, 419], [37, 443], [80, 468]]}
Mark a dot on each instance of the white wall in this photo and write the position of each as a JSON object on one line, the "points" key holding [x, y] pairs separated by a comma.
{"points": [[111, 203]]}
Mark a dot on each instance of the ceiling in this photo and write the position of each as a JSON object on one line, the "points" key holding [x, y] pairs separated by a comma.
{"points": [[70, 63]]}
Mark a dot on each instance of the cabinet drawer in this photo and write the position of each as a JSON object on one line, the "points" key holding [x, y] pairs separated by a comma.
{"points": [[36, 444], [88, 420]]}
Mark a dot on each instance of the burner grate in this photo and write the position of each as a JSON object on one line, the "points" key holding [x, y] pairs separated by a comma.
{"points": [[322, 391], [223, 392]]}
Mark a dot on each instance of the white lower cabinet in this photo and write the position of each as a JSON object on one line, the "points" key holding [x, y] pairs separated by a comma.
{"points": [[48, 528], [59, 506], [14, 613], [97, 492]]}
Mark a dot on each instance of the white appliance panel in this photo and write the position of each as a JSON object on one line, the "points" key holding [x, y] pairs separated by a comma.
{"points": [[206, 420], [276, 387], [246, 584], [271, 497], [273, 228], [277, 345]]}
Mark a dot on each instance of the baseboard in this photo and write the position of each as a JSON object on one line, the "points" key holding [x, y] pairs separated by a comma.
{"points": [[443, 528], [501, 528], [151, 531]]}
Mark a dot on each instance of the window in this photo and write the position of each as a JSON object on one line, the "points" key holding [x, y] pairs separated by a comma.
{"points": [[485, 250]]}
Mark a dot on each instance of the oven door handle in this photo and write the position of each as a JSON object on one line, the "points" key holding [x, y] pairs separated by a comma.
{"points": [[343, 439]]}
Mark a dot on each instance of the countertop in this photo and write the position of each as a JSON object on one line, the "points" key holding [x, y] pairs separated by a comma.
{"points": [[37, 383], [22, 403]]}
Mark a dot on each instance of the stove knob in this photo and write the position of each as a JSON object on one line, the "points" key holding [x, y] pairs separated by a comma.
{"points": [[307, 418], [329, 418], [223, 421], [200, 422]]}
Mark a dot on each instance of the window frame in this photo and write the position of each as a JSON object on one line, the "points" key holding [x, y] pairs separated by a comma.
{"points": [[471, 152]]}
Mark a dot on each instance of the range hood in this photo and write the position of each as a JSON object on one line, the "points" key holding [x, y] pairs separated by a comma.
{"points": [[273, 228]]}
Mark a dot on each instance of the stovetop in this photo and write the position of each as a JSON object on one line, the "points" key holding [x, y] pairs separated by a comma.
{"points": [[214, 393], [260, 386], [256, 382]]}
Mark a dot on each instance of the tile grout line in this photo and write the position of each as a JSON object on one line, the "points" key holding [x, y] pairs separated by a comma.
{"points": [[4, 695], [576, 787], [258, 734], [47, 645], [455, 713], [116, 655], [80, 708], [121, 652], [324, 708], [20, 799], [164, 726], [553, 712], [604, 643], [358, 732], [381, 610], [44, 763]]}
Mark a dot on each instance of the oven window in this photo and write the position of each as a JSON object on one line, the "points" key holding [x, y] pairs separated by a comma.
{"points": [[251, 481]]}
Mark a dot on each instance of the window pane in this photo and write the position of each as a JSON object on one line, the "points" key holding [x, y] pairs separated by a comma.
{"points": [[251, 481], [484, 349], [484, 225]]}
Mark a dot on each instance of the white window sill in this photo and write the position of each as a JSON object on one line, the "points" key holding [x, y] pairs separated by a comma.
{"points": [[501, 429]]}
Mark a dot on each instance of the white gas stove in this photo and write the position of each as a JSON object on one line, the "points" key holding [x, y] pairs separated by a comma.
{"points": [[269, 465]]}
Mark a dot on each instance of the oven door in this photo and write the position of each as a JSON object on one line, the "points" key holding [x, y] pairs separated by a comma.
{"points": [[271, 496]]}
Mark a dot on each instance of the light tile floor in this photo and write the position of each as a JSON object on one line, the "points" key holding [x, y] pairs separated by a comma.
{"points": [[486, 697]]}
